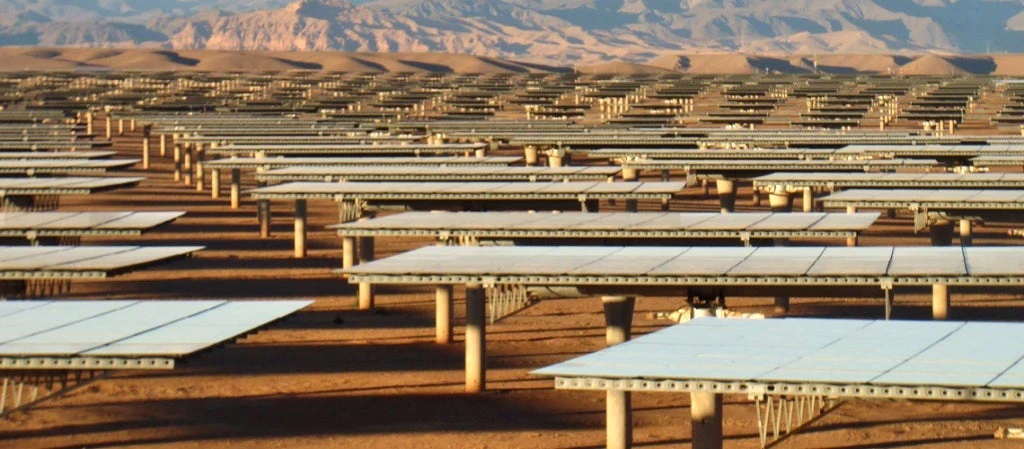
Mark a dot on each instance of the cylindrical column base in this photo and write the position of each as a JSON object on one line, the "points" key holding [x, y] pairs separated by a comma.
{"points": [[443, 314], [618, 317], [236, 187], [808, 200], [215, 183], [940, 301], [476, 336], [966, 232], [263, 211], [780, 201], [726, 194], [706, 420], [619, 419], [300, 228]]}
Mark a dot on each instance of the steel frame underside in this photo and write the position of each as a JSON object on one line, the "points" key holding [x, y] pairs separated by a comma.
{"points": [[755, 388]]}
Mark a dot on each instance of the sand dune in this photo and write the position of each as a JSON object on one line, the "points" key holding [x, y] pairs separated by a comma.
{"points": [[24, 58], [70, 59]]}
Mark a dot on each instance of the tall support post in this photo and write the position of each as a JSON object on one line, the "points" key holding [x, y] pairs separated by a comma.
{"points": [[177, 158], [131, 125], [215, 183], [263, 213], [300, 228], [120, 126], [476, 337], [966, 232], [808, 200], [941, 232], [163, 145], [188, 154], [348, 252], [940, 302], [88, 122], [109, 132], [443, 314], [366, 255], [726, 194], [618, 316], [236, 187], [706, 420], [145, 147], [200, 171]]}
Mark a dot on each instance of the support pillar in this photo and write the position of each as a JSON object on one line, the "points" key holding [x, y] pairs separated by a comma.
{"points": [[618, 316], [940, 302], [726, 194], [163, 145], [145, 147], [530, 155], [120, 126], [851, 209], [966, 232], [88, 123], [215, 183], [366, 255], [300, 228], [109, 133], [808, 200], [780, 201], [263, 213], [443, 314], [348, 252], [236, 187], [177, 160], [476, 337], [200, 171], [706, 420], [756, 199], [941, 232], [188, 154]]}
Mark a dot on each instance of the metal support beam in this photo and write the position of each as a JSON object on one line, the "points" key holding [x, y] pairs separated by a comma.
{"points": [[476, 337]]}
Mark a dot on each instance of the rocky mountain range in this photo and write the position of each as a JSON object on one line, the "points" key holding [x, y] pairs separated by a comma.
{"points": [[545, 31]]}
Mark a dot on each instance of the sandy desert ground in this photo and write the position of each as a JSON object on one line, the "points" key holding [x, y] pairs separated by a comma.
{"points": [[335, 377]]}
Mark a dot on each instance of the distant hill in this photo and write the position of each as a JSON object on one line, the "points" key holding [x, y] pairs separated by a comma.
{"points": [[563, 32]]}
